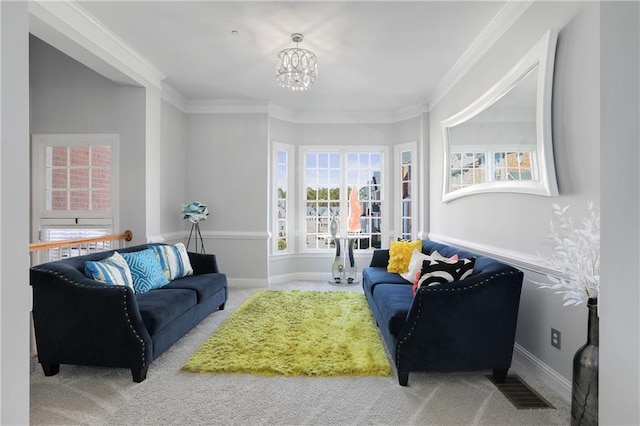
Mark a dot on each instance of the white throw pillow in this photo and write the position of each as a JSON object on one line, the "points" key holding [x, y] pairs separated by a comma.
{"points": [[415, 264], [112, 270], [174, 260]]}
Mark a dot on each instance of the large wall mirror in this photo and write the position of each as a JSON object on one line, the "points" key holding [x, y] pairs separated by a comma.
{"points": [[502, 141]]}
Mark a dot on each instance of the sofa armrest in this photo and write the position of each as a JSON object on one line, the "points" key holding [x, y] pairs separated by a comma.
{"points": [[469, 324], [380, 258], [81, 321], [203, 263]]}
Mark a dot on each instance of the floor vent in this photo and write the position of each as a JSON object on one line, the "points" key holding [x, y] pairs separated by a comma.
{"points": [[520, 394]]}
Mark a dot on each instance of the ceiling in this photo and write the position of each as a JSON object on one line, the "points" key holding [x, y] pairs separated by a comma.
{"points": [[372, 56]]}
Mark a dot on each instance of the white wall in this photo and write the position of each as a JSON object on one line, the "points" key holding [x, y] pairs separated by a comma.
{"points": [[173, 171], [14, 220], [67, 97], [620, 153], [226, 168], [518, 223]]}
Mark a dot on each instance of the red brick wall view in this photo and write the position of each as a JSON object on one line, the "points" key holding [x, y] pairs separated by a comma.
{"points": [[80, 178]]}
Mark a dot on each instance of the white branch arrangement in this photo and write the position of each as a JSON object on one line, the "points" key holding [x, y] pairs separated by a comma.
{"points": [[576, 253]]}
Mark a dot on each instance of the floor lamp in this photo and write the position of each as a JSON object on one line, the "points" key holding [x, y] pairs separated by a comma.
{"points": [[195, 232], [195, 212]]}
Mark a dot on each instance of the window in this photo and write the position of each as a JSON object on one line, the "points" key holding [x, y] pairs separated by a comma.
{"points": [[470, 166], [406, 158], [329, 177], [283, 196], [75, 187], [467, 168], [78, 178], [513, 165]]}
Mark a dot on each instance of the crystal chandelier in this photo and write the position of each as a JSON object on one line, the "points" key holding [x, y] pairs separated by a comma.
{"points": [[296, 69]]}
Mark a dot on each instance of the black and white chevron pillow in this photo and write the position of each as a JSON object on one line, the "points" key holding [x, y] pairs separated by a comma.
{"points": [[436, 272]]}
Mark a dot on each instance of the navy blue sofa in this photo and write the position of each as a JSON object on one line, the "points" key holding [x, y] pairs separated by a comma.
{"points": [[464, 325], [81, 321]]}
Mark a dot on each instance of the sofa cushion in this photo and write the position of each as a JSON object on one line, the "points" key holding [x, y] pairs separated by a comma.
{"points": [[372, 277], [205, 285], [146, 270], [160, 307], [174, 260], [112, 270], [394, 302], [400, 255]]}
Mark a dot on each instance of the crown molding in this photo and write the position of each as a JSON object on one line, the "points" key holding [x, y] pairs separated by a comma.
{"points": [[80, 29], [227, 106], [346, 117], [244, 106], [174, 97], [504, 19]]}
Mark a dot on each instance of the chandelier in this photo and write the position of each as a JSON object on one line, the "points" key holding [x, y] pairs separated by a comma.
{"points": [[296, 69]]}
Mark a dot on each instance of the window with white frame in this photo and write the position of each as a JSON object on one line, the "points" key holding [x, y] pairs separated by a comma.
{"points": [[330, 174], [75, 186], [407, 202], [283, 196], [513, 165], [470, 166]]}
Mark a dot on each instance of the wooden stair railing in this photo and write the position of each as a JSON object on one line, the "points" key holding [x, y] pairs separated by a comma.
{"points": [[86, 244]]}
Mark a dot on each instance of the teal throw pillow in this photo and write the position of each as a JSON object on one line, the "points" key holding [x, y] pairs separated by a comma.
{"points": [[112, 270], [146, 270]]}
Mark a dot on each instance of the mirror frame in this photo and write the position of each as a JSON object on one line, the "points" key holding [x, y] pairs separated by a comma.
{"points": [[541, 55]]}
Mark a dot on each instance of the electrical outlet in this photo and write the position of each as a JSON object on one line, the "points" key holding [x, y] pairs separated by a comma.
{"points": [[555, 338]]}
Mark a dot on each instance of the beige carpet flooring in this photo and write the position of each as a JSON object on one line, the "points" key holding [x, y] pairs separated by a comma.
{"points": [[107, 396]]}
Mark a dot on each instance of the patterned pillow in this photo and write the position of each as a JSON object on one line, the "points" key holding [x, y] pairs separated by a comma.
{"points": [[146, 270], [415, 264], [174, 260], [400, 255], [436, 272], [112, 270]]}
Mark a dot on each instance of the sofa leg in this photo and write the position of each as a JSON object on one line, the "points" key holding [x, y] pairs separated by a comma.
{"points": [[139, 374], [500, 374], [221, 307], [50, 369], [403, 378]]}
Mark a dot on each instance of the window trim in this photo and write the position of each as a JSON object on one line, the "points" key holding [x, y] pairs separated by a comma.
{"points": [[415, 187], [291, 206], [39, 143]]}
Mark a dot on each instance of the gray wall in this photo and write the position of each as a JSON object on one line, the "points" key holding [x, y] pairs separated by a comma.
{"points": [[620, 151], [173, 162], [14, 222], [67, 97], [226, 168], [515, 223]]}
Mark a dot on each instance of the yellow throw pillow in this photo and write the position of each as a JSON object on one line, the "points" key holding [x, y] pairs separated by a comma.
{"points": [[400, 255]]}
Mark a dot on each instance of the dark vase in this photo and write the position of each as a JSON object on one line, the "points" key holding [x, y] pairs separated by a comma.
{"points": [[584, 393]]}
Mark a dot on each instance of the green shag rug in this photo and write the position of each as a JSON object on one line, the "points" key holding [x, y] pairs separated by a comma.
{"points": [[293, 333]]}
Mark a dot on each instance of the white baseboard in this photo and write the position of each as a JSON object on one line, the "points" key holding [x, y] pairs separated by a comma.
{"points": [[247, 283], [547, 374]]}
